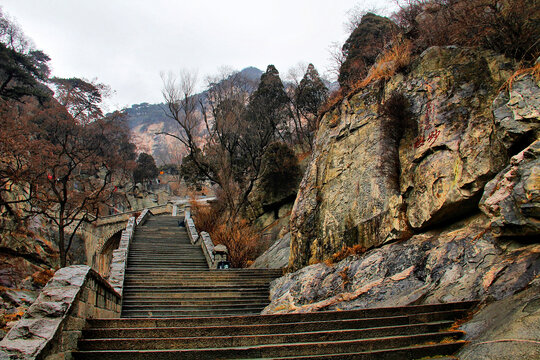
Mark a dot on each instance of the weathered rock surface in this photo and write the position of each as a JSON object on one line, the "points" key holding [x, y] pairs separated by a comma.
{"points": [[463, 262], [40, 323], [276, 257], [362, 188], [505, 330], [512, 198]]}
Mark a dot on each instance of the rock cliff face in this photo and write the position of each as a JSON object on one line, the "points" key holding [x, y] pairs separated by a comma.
{"points": [[365, 186]]}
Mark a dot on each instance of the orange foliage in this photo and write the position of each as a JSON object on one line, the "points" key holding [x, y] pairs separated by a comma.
{"points": [[333, 100], [42, 277], [241, 240], [534, 71], [237, 235], [204, 216], [345, 252], [387, 65], [391, 61]]}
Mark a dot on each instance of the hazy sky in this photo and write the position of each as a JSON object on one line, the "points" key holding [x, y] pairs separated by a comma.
{"points": [[127, 43]]}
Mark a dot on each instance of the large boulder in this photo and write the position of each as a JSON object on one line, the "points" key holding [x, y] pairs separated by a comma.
{"points": [[276, 256]]}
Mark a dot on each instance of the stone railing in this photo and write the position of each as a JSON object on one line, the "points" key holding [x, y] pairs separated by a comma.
{"points": [[142, 217], [192, 231], [216, 255], [52, 326], [119, 258], [156, 210]]}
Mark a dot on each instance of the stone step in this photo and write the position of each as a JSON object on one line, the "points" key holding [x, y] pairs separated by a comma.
{"points": [[165, 261], [196, 289], [315, 347], [163, 308], [368, 325], [200, 313], [369, 336], [177, 267], [201, 279], [193, 297], [217, 279], [406, 317], [430, 351], [194, 302], [131, 295], [205, 274]]}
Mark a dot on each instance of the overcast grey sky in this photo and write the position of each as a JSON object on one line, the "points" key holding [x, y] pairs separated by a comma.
{"points": [[126, 44]]}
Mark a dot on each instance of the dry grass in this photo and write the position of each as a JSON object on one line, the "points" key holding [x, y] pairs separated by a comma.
{"points": [[344, 274], [241, 240], [344, 253], [333, 100], [388, 64], [42, 277], [509, 27], [204, 216], [533, 71]]}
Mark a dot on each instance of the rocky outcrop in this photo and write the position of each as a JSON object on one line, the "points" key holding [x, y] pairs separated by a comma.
{"points": [[53, 324], [366, 186], [462, 262], [446, 202], [276, 257], [512, 198]]}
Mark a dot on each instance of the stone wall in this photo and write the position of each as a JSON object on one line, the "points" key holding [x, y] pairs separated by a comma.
{"points": [[52, 326]]}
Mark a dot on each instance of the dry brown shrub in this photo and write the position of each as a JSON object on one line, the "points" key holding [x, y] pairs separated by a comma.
{"points": [[344, 274], [241, 240], [394, 59], [333, 100], [510, 27], [204, 216]]}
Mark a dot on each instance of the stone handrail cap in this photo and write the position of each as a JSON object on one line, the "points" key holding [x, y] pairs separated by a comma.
{"points": [[221, 249]]}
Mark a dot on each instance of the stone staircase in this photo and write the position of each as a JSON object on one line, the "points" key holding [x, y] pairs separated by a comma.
{"points": [[167, 276], [389, 333], [175, 308]]}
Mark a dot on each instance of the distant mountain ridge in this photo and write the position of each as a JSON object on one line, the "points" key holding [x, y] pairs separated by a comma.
{"points": [[145, 120]]}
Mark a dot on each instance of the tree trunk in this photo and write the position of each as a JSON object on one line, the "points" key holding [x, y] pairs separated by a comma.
{"points": [[61, 242]]}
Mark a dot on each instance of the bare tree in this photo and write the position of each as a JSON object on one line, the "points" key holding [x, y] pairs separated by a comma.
{"points": [[179, 95], [336, 57]]}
